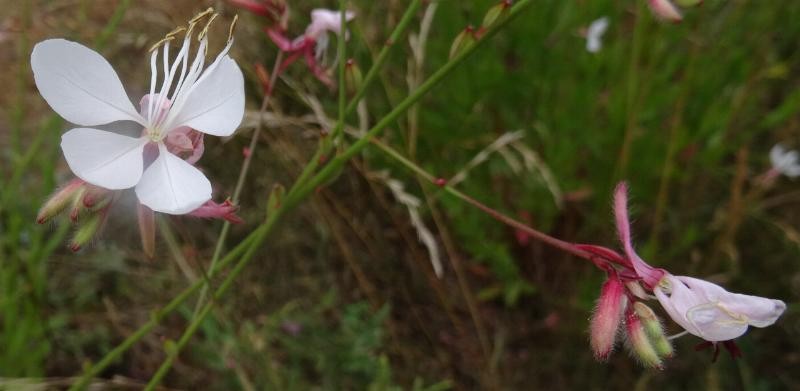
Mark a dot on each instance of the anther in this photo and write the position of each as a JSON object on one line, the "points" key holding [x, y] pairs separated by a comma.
{"points": [[233, 27], [161, 42], [201, 15], [205, 29]]}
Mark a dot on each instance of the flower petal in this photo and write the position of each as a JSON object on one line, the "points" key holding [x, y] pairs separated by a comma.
{"points": [[649, 275], [104, 159], [716, 324], [215, 105], [79, 84], [170, 185]]}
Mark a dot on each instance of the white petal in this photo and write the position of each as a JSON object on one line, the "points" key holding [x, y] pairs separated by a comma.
{"points": [[105, 159], [79, 84], [170, 185], [716, 324], [215, 105]]}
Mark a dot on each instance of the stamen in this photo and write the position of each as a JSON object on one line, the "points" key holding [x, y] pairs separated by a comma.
{"points": [[681, 334], [153, 77], [161, 42], [201, 15], [204, 31], [233, 27]]}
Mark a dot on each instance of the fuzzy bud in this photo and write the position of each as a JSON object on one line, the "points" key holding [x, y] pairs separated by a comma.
{"points": [[495, 13], [59, 201], [639, 342], [607, 317], [654, 329], [352, 76], [87, 228], [464, 40], [147, 229], [665, 10]]}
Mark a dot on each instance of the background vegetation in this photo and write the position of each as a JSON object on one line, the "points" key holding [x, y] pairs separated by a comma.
{"points": [[343, 296]]}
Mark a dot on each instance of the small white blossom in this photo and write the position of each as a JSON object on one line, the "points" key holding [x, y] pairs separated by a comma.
{"points": [[710, 312], [594, 35], [82, 87], [785, 161]]}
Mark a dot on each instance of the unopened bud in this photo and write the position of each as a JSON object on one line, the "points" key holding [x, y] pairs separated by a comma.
{"points": [[654, 329], [665, 10], [464, 40], [495, 13], [94, 195], [352, 77], [275, 198], [263, 78], [147, 229], [59, 201], [86, 231], [77, 204], [607, 317], [636, 289], [638, 341]]}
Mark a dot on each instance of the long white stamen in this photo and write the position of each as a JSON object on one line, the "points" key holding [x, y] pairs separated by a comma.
{"points": [[184, 65], [153, 79]]}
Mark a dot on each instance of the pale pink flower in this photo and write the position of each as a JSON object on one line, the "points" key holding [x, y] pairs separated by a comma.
{"points": [[314, 42], [702, 308], [665, 10], [80, 85]]}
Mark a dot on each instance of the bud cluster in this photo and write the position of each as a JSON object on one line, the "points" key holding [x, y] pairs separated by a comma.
{"points": [[467, 37], [88, 207]]}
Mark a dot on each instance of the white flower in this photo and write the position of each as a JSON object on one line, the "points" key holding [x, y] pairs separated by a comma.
{"points": [[594, 35], [81, 86], [323, 21], [712, 313], [785, 162]]}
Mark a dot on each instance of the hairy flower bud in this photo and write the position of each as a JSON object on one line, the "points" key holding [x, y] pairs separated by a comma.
{"points": [[463, 40], [147, 229], [665, 10], [352, 76], [639, 342], [607, 317], [86, 230], [654, 329], [495, 13], [59, 201]]}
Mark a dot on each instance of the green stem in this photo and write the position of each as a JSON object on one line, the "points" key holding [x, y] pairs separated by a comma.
{"points": [[226, 226], [372, 73], [155, 319]]}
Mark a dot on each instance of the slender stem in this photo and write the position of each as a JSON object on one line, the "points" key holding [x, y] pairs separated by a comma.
{"points": [[372, 73], [155, 319], [341, 48], [172, 354], [632, 91], [226, 226]]}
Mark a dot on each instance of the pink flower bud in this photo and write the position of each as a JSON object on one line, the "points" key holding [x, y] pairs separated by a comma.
{"points": [[665, 10], [212, 210], [607, 317], [147, 229], [59, 201]]}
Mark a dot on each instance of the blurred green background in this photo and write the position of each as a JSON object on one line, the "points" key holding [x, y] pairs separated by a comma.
{"points": [[343, 296]]}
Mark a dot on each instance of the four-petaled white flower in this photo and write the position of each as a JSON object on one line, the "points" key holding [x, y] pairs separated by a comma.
{"points": [[594, 35], [702, 308], [785, 161], [710, 312], [82, 87]]}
